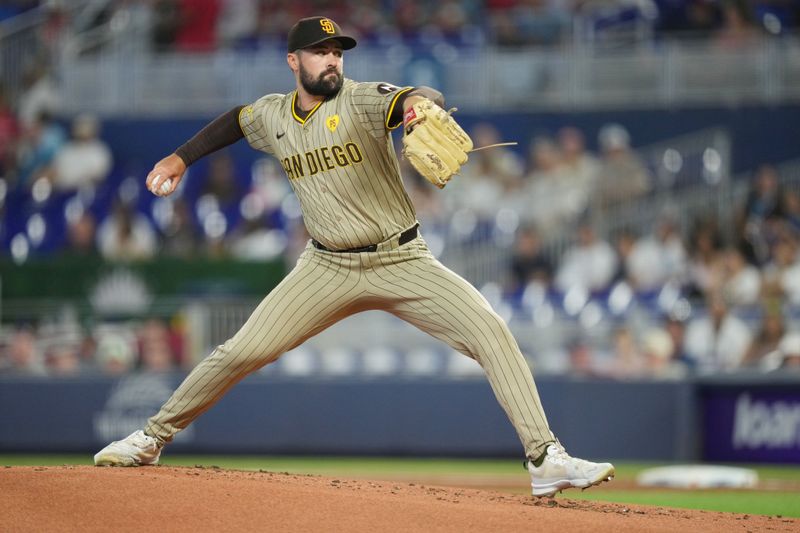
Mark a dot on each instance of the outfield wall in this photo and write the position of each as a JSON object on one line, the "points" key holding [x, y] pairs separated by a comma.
{"points": [[658, 421], [760, 134]]}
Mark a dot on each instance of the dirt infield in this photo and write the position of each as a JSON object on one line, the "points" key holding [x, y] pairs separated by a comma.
{"points": [[85, 498]]}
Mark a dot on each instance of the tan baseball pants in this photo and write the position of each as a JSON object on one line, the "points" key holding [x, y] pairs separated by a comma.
{"points": [[326, 287]]}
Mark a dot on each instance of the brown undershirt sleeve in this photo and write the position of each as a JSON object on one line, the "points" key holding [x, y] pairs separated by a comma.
{"points": [[219, 133]]}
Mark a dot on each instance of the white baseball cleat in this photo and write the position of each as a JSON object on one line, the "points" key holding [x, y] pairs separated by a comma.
{"points": [[560, 471], [134, 450]]}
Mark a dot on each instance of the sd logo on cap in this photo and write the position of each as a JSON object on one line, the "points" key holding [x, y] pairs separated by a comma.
{"points": [[313, 30]]}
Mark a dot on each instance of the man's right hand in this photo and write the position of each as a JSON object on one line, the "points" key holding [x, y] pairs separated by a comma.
{"points": [[166, 175]]}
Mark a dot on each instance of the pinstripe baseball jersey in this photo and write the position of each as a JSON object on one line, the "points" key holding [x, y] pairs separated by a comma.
{"points": [[339, 160], [342, 165]]}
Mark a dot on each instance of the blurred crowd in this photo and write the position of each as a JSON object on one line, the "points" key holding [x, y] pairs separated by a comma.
{"points": [[66, 348], [205, 25], [715, 301]]}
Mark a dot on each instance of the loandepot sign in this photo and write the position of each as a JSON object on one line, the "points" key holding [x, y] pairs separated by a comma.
{"points": [[759, 424]]}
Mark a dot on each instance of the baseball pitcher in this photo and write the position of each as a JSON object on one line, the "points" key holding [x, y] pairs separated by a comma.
{"points": [[332, 136]]}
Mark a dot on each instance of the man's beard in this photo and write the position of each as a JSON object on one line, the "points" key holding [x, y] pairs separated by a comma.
{"points": [[323, 85]]}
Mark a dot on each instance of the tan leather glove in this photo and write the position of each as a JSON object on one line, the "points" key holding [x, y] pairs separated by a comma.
{"points": [[433, 142]]}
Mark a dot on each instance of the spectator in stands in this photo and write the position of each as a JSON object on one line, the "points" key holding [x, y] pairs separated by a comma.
{"points": [[622, 177], [180, 235], [115, 351], [657, 259], [501, 162], [504, 30], [487, 178], [85, 160], [738, 30], [718, 341], [790, 208], [40, 142], [627, 360], [62, 358], [579, 166], [763, 206], [768, 338], [590, 263], [254, 239], [676, 328], [24, 353], [39, 96], [527, 22], [126, 235], [450, 19], [166, 21], [237, 22], [659, 352], [82, 235], [789, 351], [704, 262], [541, 22], [552, 204], [582, 360], [529, 264], [222, 183], [782, 274], [703, 18], [50, 34], [368, 19], [197, 27], [87, 350], [9, 135], [218, 207], [409, 17], [623, 245], [156, 351], [741, 282]]}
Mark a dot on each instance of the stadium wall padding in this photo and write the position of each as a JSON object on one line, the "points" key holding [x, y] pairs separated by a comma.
{"points": [[646, 421], [753, 418]]}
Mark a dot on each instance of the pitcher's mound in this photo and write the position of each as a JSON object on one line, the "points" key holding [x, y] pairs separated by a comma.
{"points": [[86, 498]]}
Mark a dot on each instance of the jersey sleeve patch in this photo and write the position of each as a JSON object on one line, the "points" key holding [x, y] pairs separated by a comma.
{"points": [[387, 88]]}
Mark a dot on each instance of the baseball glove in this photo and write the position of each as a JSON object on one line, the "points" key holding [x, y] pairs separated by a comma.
{"points": [[433, 142]]}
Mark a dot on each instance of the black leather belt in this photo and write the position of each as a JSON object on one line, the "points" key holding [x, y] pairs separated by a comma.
{"points": [[407, 236]]}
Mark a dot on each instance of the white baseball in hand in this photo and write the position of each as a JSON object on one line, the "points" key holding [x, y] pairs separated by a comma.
{"points": [[165, 187]]}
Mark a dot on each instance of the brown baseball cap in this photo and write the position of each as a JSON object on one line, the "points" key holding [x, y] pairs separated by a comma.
{"points": [[313, 30]]}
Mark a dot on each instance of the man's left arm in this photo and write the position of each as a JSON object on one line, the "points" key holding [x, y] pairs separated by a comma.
{"points": [[407, 99]]}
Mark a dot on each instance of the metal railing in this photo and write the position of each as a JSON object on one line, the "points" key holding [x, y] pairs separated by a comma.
{"points": [[125, 78]]}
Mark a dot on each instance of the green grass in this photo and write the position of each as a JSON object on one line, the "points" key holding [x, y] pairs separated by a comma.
{"points": [[772, 502], [739, 501]]}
